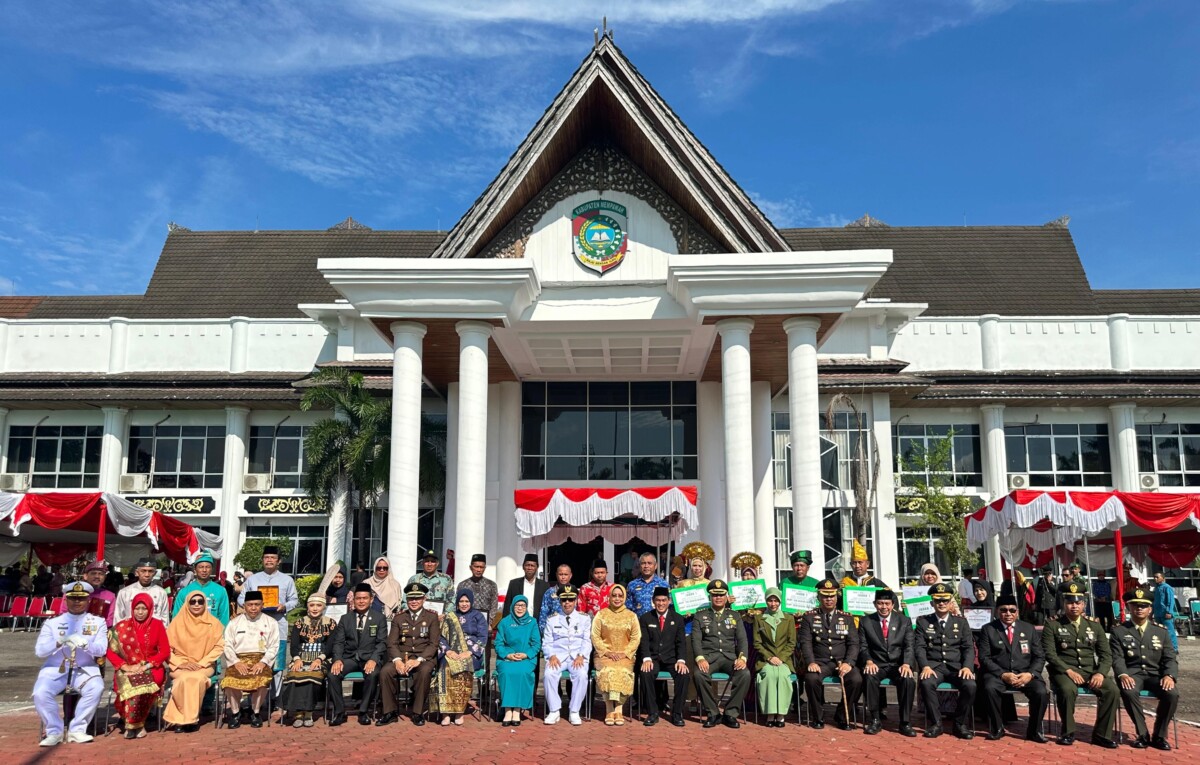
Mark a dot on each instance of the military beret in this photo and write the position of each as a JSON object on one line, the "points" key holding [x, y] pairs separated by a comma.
{"points": [[661, 591], [415, 590], [1138, 595], [802, 556], [567, 592], [254, 596], [718, 587], [941, 591], [827, 587]]}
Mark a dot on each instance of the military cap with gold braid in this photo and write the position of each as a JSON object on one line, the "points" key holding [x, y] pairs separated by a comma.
{"points": [[827, 587], [1074, 592], [415, 590], [717, 587], [1139, 595], [941, 591], [567, 592]]}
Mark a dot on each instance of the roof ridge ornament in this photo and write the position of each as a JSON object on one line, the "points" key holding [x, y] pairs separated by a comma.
{"points": [[866, 221], [172, 227], [1062, 221], [349, 225]]}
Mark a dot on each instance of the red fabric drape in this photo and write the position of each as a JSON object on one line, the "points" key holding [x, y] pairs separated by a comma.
{"points": [[59, 553], [1157, 512], [61, 511], [536, 500], [1173, 555]]}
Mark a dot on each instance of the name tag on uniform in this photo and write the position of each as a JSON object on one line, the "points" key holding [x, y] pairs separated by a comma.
{"points": [[1024, 646], [372, 629]]}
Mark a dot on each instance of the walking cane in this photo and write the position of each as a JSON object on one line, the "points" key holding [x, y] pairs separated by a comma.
{"points": [[845, 700]]}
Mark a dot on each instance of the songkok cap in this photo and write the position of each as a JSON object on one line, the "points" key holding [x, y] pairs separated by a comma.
{"points": [[96, 565], [415, 590], [146, 563], [363, 587], [531, 558], [941, 591], [802, 556], [316, 597], [661, 591], [204, 557], [429, 555], [479, 558], [80, 590], [599, 563], [1006, 600], [270, 550], [827, 587], [717, 587], [885, 594], [567, 592], [1138, 595], [858, 552], [253, 595], [1074, 592]]}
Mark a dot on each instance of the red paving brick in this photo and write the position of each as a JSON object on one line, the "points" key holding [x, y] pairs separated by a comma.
{"points": [[533, 742]]}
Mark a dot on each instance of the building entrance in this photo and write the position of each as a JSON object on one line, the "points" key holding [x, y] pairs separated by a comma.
{"points": [[578, 556]]}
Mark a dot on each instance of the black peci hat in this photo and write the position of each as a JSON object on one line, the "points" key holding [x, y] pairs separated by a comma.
{"points": [[479, 558]]}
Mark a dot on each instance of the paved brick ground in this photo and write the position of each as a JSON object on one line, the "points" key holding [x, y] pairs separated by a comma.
{"points": [[533, 742]]}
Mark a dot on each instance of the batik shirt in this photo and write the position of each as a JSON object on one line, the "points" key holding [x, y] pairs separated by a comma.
{"points": [[441, 588], [486, 596], [550, 607], [641, 594], [593, 598]]}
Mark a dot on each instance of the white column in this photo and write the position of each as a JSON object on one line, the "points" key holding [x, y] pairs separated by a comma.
{"points": [[3, 437], [764, 484], [471, 489], [1123, 447], [995, 476], [989, 340], [239, 343], [805, 415], [505, 425], [450, 518], [236, 431], [404, 471], [739, 446], [335, 547], [118, 342], [883, 520], [1119, 352], [112, 449], [710, 505]]}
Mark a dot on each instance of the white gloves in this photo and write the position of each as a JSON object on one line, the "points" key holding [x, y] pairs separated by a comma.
{"points": [[76, 641]]}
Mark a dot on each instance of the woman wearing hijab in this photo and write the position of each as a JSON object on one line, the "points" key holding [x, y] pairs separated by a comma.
{"points": [[311, 641], [983, 595], [517, 646], [137, 651], [464, 636], [388, 597], [197, 641], [338, 590], [615, 638], [931, 575], [774, 646]]}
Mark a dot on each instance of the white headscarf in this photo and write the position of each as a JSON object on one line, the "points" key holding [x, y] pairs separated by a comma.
{"points": [[387, 588]]}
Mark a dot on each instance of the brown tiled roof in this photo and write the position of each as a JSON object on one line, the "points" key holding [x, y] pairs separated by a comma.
{"points": [[969, 271], [1149, 302], [17, 307]]}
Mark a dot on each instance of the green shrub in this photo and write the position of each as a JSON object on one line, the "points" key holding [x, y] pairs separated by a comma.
{"points": [[249, 558]]}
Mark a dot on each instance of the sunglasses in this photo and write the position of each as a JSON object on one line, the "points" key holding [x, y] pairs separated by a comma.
{"points": [[1007, 610], [1139, 605], [381, 568], [198, 602]]}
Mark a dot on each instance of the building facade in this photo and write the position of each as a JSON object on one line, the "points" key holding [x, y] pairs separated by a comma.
{"points": [[613, 313]]}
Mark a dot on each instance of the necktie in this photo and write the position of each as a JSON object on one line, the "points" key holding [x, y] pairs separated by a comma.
{"points": [[361, 622], [567, 619], [885, 629], [662, 623], [1010, 633], [827, 622]]}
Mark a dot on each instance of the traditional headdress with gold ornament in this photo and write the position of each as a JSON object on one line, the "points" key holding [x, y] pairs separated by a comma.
{"points": [[858, 552], [700, 550], [745, 560]]}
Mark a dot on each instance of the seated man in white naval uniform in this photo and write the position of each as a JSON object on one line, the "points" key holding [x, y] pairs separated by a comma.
{"points": [[567, 646], [84, 637]]}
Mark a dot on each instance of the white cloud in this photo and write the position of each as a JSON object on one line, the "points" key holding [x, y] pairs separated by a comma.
{"points": [[795, 212]]}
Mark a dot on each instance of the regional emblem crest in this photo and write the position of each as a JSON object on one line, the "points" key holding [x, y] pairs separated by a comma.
{"points": [[600, 235]]}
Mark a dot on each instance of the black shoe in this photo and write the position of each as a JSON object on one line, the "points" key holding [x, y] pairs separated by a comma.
{"points": [[1066, 740], [933, 732], [712, 721], [364, 718], [730, 721], [963, 732], [418, 720], [256, 720], [387, 718], [1158, 742], [817, 724], [192, 728], [1035, 736], [650, 720], [873, 727], [337, 720], [179, 729], [995, 735], [843, 725], [907, 730], [1104, 743], [1140, 742], [677, 722], [233, 721]]}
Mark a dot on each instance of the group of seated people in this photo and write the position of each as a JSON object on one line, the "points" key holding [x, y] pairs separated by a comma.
{"points": [[618, 646]]}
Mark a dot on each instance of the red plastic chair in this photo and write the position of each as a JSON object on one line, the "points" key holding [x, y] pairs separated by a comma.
{"points": [[37, 606], [19, 604], [50, 612]]}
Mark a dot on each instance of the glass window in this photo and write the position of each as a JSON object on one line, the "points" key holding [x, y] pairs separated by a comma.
{"points": [[308, 547], [280, 452], [1172, 451], [608, 431], [56, 457], [1060, 455], [963, 467], [187, 457]]}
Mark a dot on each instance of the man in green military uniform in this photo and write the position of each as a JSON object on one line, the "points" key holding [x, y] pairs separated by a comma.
{"points": [[1144, 659], [1078, 655], [719, 644], [827, 642], [801, 560], [439, 586]]}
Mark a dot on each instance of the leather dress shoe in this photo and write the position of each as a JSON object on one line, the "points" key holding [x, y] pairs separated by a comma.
{"points": [[1141, 742], [233, 721], [1158, 742], [712, 721], [995, 735], [387, 718], [907, 730], [418, 720], [730, 721], [933, 732], [256, 720], [873, 727], [1066, 740], [337, 720], [817, 724], [364, 719], [1036, 736], [1104, 743], [650, 720], [677, 722], [963, 732]]}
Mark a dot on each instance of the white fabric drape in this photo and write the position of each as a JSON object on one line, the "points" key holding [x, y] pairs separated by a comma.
{"points": [[618, 534], [537, 523], [1014, 522]]}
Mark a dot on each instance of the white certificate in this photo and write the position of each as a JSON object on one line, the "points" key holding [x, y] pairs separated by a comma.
{"points": [[859, 600], [919, 591], [918, 607], [977, 617], [798, 599], [336, 611], [749, 594], [437, 608], [689, 600]]}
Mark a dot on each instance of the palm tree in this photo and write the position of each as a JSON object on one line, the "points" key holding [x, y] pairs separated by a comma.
{"points": [[350, 451]]}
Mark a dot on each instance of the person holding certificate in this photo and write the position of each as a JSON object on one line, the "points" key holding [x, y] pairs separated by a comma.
{"points": [[887, 654], [828, 646], [279, 595]]}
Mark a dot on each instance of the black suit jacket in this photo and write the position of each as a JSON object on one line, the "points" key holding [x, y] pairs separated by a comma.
{"points": [[950, 650], [896, 650], [368, 645], [515, 588], [1026, 654], [665, 646]]}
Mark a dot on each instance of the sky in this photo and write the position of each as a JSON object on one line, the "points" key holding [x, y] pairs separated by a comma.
{"points": [[120, 117]]}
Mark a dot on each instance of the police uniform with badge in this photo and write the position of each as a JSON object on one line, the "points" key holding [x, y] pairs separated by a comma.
{"points": [[1075, 643], [69, 645], [1143, 658], [719, 638], [414, 637], [828, 638], [944, 648]]}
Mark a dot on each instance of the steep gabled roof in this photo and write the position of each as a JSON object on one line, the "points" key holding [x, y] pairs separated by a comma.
{"points": [[608, 99], [1150, 302]]}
